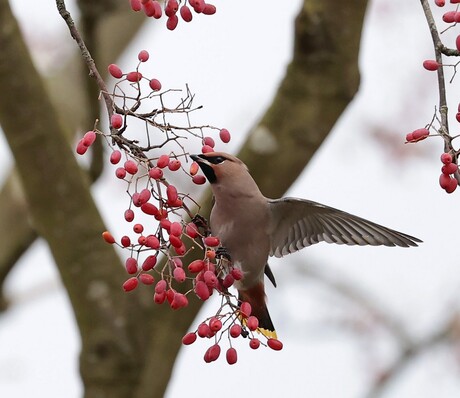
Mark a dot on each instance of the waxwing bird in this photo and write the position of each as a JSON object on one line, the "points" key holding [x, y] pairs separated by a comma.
{"points": [[252, 227]]}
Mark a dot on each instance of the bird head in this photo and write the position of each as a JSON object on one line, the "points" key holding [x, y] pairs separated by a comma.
{"points": [[218, 166]]}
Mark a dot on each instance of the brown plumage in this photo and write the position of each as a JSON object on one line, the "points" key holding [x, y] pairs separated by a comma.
{"points": [[252, 227]]}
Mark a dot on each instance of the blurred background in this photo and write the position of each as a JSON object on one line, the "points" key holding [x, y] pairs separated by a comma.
{"points": [[355, 321]]}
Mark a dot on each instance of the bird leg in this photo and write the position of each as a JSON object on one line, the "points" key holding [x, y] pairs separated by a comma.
{"points": [[201, 222], [222, 252]]}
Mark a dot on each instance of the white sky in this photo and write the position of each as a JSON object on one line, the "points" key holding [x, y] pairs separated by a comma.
{"points": [[234, 61]]}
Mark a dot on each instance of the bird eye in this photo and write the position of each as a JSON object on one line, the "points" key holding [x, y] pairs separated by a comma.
{"points": [[216, 159]]}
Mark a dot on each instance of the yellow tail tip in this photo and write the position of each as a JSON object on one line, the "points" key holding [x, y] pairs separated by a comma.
{"points": [[269, 334]]}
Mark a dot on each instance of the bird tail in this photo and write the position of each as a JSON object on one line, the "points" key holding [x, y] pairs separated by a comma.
{"points": [[256, 297]]}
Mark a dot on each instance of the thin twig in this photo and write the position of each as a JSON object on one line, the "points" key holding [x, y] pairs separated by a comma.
{"points": [[93, 71]]}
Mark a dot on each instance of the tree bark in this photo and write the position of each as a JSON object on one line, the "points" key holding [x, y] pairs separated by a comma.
{"points": [[76, 112]]}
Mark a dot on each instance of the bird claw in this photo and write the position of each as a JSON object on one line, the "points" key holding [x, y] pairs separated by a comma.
{"points": [[223, 253], [201, 222]]}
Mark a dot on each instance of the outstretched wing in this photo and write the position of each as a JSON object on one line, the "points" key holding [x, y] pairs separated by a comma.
{"points": [[297, 223]]}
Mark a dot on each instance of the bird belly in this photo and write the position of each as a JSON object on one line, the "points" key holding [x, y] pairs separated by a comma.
{"points": [[248, 247]]}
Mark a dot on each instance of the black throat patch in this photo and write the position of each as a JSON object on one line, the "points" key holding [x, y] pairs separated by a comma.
{"points": [[208, 172]]}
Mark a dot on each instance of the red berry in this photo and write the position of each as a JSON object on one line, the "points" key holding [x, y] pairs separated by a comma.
{"points": [[89, 138], [457, 43], [198, 5], [136, 5], [115, 156], [275, 344], [457, 116], [143, 56], [237, 274], [150, 209], [146, 279], [245, 309], [81, 147], [129, 215], [215, 324], [209, 141], [449, 17], [209, 9], [444, 180], [440, 3], [189, 338], [206, 149], [174, 165], [153, 9], [155, 85], [199, 179], [138, 228], [228, 281], [449, 168], [212, 353], [420, 134], [159, 298], [144, 196], [172, 22], [175, 229], [130, 284], [231, 356], [452, 185], [254, 343], [149, 263], [204, 330], [431, 65], [179, 274], [175, 241], [211, 241], [185, 13], [171, 193], [120, 173], [163, 161], [211, 254], [224, 135], [201, 290], [134, 77], [155, 173], [210, 279], [191, 230], [108, 237], [115, 71], [171, 8], [141, 240], [253, 323], [446, 158], [194, 168], [235, 330], [165, 224], [179, 301], [196, 266], [152, 242], [131, 167], [131, 265], [161, 286], [125, 241]]}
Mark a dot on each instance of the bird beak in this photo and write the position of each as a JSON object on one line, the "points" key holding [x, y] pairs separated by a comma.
{"points": [[205, 166], [199, 159]]}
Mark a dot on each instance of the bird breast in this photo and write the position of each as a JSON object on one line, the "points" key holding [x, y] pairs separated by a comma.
{"points": [[243, 231]]}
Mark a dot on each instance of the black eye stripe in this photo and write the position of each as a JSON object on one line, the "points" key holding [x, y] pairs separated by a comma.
{"points": [[216, 159]]}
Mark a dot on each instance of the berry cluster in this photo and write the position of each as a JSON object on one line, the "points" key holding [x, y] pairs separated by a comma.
{"points": [[450, 176], [152, 8], [162, 228], [233, 324]]}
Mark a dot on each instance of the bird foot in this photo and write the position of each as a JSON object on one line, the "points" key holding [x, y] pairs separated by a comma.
{"points": [[201, 222], [223, 253]]}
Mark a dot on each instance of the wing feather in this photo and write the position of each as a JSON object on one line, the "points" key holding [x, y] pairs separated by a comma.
{"points": [[297, 223]]}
